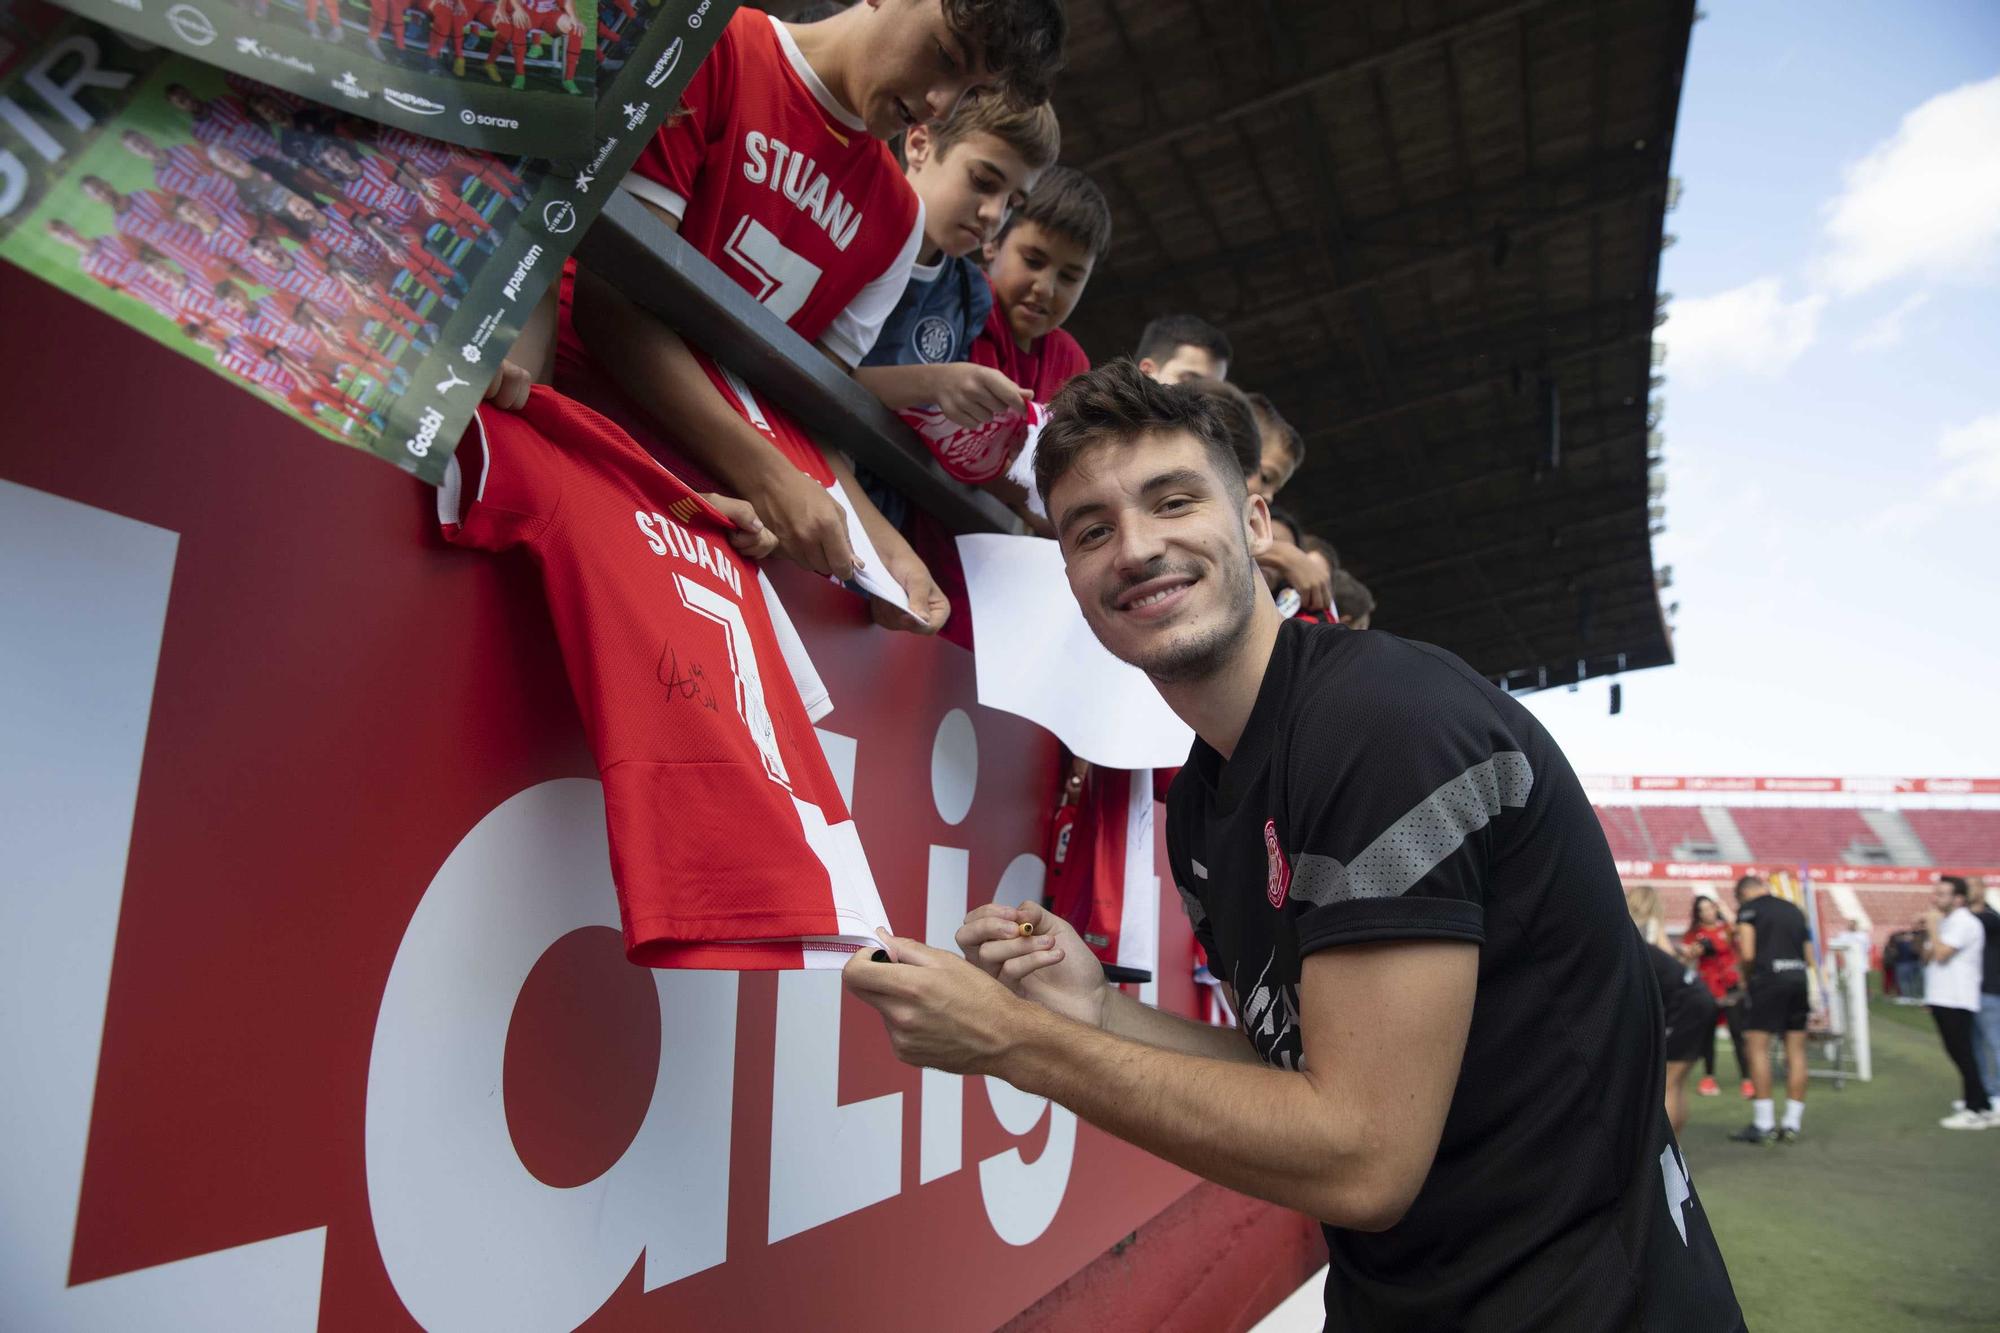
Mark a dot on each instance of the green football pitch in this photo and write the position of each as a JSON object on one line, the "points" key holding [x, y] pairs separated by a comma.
{"points": [[1876, 1219]]}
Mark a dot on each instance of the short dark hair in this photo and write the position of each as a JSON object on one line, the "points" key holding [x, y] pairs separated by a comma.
{"points": [[1959, 887], [1351, 596], [1031, 131], [1322, 547], [1068, 203], [1021, 41], [1272, 422], [1234, 405], [1747, 880], [1117, 401], [1169, 333]]}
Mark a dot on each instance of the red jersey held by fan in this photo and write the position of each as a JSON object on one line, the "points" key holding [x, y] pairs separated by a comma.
{"points": [[730, 844], [1101, 876], [783, 189]]}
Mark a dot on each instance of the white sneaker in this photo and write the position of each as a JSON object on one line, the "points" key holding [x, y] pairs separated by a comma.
{"points": [[1958, 1103], [1969, 1120]]}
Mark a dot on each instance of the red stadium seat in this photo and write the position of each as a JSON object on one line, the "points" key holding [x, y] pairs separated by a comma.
{"points": [[1958, 837]]}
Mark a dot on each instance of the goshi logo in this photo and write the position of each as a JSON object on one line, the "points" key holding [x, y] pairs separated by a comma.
{"points": [[1278, 880], [428, 426]]}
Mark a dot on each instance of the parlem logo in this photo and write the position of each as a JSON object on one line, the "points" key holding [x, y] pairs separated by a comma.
{"points": [[1278, 880], [663, 68], [428, 426]]}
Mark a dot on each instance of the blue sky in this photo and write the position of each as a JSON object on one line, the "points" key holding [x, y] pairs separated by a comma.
{"points": [[1832, 404]]}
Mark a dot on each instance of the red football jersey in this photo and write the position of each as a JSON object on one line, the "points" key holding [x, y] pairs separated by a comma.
{"points": [[1042, 369], [730, 844], [784, 189]]}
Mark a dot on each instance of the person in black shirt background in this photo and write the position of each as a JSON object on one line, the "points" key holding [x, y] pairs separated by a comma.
{"points": [[1986, 1040], [1454, 1050], [1771, 940]]}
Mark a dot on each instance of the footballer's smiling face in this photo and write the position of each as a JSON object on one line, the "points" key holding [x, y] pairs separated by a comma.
{"points": [[1156, 544], [917, 69]]}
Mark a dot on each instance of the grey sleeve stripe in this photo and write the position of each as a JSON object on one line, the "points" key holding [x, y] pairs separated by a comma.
{"points": [[1417, 843]]}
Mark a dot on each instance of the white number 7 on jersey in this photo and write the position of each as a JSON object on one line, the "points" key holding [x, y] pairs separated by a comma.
{"points": [[750, 705], [782, 279]]}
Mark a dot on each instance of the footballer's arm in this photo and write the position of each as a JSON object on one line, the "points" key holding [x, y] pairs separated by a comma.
{"points": [[650, 362], [1349, 1140]]}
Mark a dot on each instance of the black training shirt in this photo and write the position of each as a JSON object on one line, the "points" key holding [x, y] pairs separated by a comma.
{"points": [[1782, 936], [1991, 920], [1383, 791]]}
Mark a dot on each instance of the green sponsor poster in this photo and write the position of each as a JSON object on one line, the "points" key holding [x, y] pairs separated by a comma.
{"points": [[361, 279], [511, 76]]}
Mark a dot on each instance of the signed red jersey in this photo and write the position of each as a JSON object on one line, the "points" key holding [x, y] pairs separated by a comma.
{"points": [[730, 844], [785, 190]]}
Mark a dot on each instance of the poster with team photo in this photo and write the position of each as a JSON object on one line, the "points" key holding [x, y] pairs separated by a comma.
{"points": [[512, 76], [362, 279]]}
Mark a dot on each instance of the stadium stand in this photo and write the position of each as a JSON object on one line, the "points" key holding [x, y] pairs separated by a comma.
{"points": [[1625, 833], [1958, 837], [1673, 829], [1808, 834]]}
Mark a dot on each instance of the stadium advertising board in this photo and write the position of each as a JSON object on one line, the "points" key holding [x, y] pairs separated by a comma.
{"points": [[318, 1015], [1798, 786], [514, 76], [1723, 871], [363, 280]]}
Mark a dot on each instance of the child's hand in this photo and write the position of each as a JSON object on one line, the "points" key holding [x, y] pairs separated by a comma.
{"points": [[751, 539], [931, 606], [1296, 569], [973, 395], [509, 389], [811, 526]]}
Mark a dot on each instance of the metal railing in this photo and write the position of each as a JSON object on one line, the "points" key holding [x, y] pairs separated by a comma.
{"points": [[656, 269]]}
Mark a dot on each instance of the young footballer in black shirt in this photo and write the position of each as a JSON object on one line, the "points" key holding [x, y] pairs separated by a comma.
{"points": [[1454, 1044], [1771, 941]]}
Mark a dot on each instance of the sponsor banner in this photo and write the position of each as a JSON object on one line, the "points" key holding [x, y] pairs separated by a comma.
{"points": [[512, 76], [364, 280], [1723, 872], [1827, 786], [317, 1014]]}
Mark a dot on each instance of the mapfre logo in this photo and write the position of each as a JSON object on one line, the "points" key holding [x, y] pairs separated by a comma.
{"points": [[428, 426], [1278, 878]]}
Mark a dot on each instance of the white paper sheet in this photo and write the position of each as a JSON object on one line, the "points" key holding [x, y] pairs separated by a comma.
{"points": [[1035, 657], [873, 575]]}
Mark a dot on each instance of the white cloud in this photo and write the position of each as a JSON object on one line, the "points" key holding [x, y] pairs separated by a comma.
{"points": [[1751, 328], [1887, 331], [1971, 455], [1926, 201]]}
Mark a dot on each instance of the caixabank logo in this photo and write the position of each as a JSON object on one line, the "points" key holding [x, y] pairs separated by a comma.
{"points": [[327, 1019]]}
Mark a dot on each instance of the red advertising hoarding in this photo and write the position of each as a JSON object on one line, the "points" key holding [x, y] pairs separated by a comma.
{"points": [[316, 1013]]}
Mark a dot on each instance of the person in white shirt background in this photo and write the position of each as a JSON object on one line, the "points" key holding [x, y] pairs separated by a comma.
{"points": [[1954, 966]]}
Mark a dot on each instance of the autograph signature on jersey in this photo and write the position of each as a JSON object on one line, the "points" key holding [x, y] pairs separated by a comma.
{"points": [[684, 683]]}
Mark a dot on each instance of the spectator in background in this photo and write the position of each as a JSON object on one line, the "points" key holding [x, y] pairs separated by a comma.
{"points": [[1284, 449], [1954, 970], [1988, 1046], [1351, 596], [1039, 267], [1297, 581], [1238, 420], [1708, 943], [971, 170], [1903, 963], [1687, 1009], [1177, 348], [1771, 940]]}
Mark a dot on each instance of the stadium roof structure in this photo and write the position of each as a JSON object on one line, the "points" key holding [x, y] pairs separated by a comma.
{"points": [[1432, 229]]}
